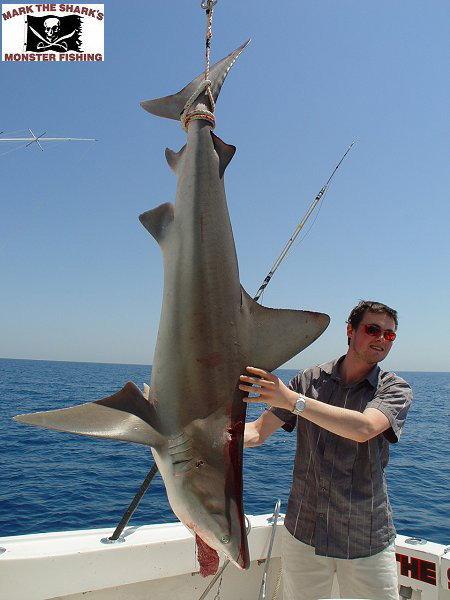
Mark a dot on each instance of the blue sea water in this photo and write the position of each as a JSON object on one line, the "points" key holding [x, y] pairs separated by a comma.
{"points": [[52, 481]]}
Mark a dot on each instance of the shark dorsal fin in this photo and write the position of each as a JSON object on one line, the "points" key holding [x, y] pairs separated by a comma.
{"points": [[157, 220]]}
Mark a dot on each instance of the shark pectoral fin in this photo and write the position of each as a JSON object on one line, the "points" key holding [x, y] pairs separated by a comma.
{"points": [[126, 416], [157, 220], [224, 151], [171, 107], [174, 158], [276, 335]]}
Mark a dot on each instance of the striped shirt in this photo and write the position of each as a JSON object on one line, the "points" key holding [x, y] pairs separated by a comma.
{"points": [[338, 501]]}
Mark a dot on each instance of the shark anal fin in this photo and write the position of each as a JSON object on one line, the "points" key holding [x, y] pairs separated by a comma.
{"points": [[126, 416], [277, 335], [157, 220], [224, 151]]}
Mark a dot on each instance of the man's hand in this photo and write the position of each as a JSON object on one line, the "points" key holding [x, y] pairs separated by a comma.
{"points": [[270, 388]]}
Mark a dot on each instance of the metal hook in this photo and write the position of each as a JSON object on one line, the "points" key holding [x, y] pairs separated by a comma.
{"points": [[208, 4]]}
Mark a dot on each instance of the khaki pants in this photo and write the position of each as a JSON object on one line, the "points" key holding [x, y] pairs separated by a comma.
{"points": [[310, 577]]}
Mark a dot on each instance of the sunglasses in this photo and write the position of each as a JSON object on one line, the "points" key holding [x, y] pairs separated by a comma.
{"points": [[376, 331]]}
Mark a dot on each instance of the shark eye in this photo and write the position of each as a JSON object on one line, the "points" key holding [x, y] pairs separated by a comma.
{"points": [[199, 464], [225, 539]]}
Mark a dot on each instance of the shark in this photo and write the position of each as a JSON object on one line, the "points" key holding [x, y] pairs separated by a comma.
{"points": [[192, 415]]}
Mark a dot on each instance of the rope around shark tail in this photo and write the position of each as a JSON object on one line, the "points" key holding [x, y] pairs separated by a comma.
{"points": [[202, 114]]}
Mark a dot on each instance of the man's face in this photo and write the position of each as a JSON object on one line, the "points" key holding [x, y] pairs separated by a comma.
{"points": [[368, 348]]}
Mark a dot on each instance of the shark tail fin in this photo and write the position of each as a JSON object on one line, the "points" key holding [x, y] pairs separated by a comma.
{"points": [[171, 107]]}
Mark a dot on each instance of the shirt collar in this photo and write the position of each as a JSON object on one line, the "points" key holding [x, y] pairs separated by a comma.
{"points": [[332, 368]]}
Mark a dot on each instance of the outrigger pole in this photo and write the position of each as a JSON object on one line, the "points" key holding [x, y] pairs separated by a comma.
{"points": [[299, 228], [39, 138]]}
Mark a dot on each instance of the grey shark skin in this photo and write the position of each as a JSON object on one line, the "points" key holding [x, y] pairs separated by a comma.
{"points": [[210, 329]]}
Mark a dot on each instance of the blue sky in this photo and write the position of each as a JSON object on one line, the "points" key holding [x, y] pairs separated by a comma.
{"points": [[80, 277]]}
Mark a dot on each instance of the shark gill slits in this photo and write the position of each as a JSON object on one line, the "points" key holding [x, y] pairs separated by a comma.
{"points": [[180, 461], [181, 466]]}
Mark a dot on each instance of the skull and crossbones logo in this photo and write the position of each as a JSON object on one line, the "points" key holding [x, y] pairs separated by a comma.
{"points": [[52, 29]]}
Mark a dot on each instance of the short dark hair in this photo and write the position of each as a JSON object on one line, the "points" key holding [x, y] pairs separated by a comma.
{"points": [[363, 306]]}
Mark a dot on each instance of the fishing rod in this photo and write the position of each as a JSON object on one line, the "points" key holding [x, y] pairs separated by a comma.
{"points": [[299, 228]]}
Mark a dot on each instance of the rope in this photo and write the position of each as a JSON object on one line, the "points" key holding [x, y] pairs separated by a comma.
{"points": [[187, 116], [209, 16], [202, 113]]}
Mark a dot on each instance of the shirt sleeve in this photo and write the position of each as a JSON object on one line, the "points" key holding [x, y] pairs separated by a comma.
{"points": [[393, 398], [290, 420]]}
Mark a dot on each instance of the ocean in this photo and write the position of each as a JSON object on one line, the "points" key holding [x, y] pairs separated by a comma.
{"points": [[52, 481]]}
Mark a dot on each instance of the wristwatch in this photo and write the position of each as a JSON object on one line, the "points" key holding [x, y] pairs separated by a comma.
{"points": [[300, 405]]}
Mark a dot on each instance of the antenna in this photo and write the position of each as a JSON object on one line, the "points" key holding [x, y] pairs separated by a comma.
{"points": [[37, 139]]}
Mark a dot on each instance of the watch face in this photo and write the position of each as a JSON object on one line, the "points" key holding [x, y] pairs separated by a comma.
{"points": [[300, 405]]}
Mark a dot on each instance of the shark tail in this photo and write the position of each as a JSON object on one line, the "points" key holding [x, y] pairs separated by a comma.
{"points": [[171, 107]]}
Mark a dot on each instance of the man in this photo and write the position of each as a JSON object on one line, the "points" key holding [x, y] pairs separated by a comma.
{"points": [[338, 518]]}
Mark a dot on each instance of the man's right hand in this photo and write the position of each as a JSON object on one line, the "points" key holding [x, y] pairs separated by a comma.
{"points": [[257, 432]]}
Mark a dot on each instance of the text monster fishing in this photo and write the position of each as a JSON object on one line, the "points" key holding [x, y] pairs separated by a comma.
{"points": [[43, 57]]}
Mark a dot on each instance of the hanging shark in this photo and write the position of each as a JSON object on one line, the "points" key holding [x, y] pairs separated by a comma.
{"points": [[192, 414]]}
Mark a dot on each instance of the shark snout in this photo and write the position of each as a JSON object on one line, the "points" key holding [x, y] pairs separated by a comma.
{"points": [[232, 544], [220, 525]]}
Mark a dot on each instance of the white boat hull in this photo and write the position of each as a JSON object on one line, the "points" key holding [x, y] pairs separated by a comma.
{"points": [[158, 562]]}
